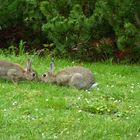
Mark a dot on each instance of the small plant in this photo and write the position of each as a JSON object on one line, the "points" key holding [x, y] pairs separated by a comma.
{"points": [[12, 49], [22, 47], [20, 50]]}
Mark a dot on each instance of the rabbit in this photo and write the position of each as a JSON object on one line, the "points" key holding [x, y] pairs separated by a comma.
{"points": [[76, 76], [16, 72]]}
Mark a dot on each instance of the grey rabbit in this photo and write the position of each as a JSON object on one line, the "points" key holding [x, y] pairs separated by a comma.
{"points": [[76, 76], [16, 72]]}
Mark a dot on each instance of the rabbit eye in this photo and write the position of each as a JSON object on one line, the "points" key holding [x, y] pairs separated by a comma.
{"points": [[33, 74], [44, 75]]}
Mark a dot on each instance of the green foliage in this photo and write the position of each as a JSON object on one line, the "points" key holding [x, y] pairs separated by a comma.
{"points": [[32, 15], [22, 47], [10, 14], [20, 50], [126, 36], [68, 33], [15, 12], [121, 16], [73, 25]]}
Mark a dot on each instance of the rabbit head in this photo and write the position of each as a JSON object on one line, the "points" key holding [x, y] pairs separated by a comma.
{"points": [[49, 77], [30, 74]]}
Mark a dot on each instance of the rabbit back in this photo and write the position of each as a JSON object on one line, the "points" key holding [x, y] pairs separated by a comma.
{"points": [[78, 77], [5, 68], [16, 72]]}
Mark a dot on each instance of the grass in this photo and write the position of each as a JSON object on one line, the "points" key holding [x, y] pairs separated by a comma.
{"points": [[37, 111]]}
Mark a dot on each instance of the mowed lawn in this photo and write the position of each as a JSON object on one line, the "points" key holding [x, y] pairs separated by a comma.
{"points": [[39, 111]]}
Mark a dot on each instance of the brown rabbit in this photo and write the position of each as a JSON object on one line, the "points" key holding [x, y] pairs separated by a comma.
{"points": [[76, 76], [15, 72]]}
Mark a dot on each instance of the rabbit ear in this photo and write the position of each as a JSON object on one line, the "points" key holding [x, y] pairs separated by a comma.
{"points": [[52, 67], [29, 65]]}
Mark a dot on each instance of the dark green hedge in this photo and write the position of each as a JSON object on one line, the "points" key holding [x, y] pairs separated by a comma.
{"points": [[97, 29]]}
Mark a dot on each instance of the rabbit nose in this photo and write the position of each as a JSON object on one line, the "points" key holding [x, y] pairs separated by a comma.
{"points": [[44, 75]]}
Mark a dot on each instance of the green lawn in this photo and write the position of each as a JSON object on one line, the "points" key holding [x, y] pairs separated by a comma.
{"points": [[37, 111]]}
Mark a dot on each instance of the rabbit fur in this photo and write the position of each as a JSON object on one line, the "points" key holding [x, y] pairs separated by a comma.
{"points": [[76, 76], [16, 72]]}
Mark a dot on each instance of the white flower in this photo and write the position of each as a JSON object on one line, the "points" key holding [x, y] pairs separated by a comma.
{"points": [[112, 86], [79, 111], [79, 98], [55, 137], [14, 103], [36, 109]]}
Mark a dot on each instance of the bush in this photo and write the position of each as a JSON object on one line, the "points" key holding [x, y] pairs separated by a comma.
{"points": [[21, 20], [120, 15], [77, 28], [71, 32], [69, 26], [10, 14]]}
